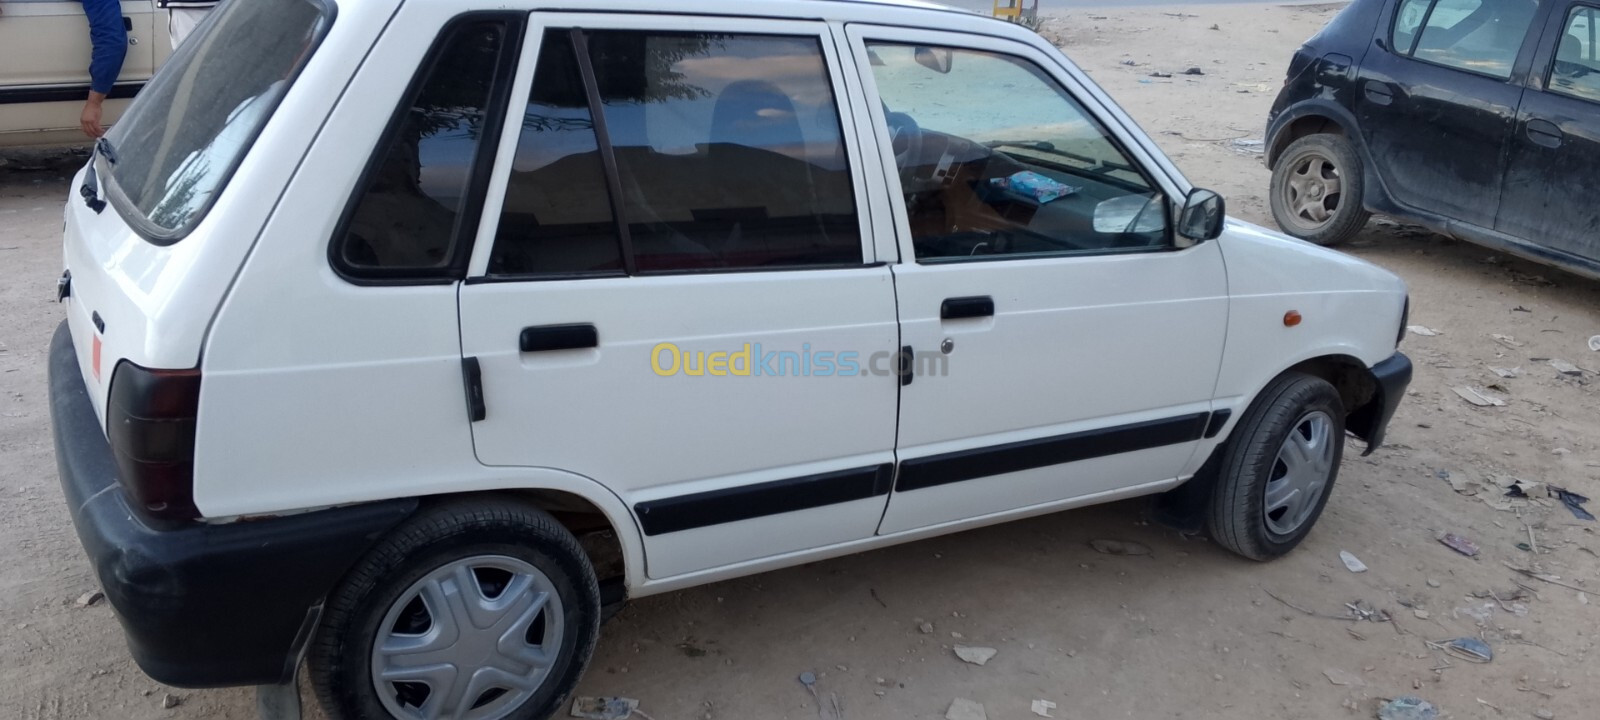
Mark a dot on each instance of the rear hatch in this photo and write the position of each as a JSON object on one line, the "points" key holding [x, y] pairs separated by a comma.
{"points": [[148, 260]]}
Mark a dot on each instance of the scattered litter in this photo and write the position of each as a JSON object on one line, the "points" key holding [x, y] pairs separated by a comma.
{"points": [[964, 709], [1544, 714], [1560, 451], [1351, 562], [170, 701], [1194, 71], [1470, 648], [1119, 547], [809, 680], [1573, 501], [1583, 598], [1481, 613], [1215, 26], [1507, 372], [1420, 613], [1408, 707], [1459, 544], [926, 628], [1566, 368], [1042, 708], [1505, 340], [1421, 330], [1130, 63], [1159, 74], [1594, 343], [1479, 398], [1520, 308], [1520, 488], [1434, 583], [1340, 677], [1250, 146], [1464, 485], [975, 655], [604, 708], [88, 599]]}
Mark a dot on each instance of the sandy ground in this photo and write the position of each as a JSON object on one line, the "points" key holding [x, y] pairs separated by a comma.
{"points": [[1187, 632]]}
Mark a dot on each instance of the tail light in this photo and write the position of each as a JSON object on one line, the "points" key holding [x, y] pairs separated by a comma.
{"points": [[150, 422]]}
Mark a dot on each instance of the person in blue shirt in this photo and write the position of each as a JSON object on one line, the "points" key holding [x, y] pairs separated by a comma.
{"points": [[110, 40]]}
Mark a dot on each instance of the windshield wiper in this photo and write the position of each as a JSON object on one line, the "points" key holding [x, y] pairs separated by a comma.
{"points": [[90, 189]]}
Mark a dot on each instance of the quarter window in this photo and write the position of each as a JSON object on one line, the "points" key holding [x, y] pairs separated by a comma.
{"points": [[728, 154], [1481, 36], [1576, 71], [411, 220], [998, 161]]}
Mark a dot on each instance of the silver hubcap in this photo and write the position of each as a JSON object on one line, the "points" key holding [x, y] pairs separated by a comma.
{"points": [[472, 640], [1312, 193], [1300, 473]]}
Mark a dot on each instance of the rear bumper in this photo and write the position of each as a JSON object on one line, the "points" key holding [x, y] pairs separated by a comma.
{"points": [[201, 605], [1371, 421]]}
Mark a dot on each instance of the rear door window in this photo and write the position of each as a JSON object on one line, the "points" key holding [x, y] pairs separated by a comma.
{"points": [[179, 143], [1480, 36], [727, 148], [1576, 71]]}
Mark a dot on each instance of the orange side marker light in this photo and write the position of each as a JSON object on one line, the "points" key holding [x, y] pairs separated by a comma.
{"points": [[1291, 318]]}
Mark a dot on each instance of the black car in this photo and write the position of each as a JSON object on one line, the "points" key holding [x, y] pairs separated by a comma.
{"points": [[1479, 119]]}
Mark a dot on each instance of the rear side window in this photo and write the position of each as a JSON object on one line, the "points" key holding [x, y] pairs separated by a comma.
{"points": [[409, 221], [184, 136], [728, 155], [1480, 36], [1576, 71]]}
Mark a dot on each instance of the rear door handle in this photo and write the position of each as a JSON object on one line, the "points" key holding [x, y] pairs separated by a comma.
{"points": [[542, 338], [1545, 133], [967, 307], [1378, 92]]}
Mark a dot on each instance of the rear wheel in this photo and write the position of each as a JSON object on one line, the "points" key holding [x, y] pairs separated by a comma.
{"points": [[1278, 468], [477, 610], [1317, 187]]}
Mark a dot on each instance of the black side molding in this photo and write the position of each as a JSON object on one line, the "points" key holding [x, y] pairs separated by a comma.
{"points": [[558, 337], [64, 93], [472, 379], [716, 507], [966, 307], [934, 470], [1218, 420]]}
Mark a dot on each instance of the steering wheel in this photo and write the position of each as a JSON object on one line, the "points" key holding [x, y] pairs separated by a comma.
{"points": [[905, 137]]}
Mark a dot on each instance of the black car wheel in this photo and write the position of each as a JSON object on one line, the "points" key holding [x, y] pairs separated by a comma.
{"points": [[1278, 467], [1317, 190], [472, 610]]}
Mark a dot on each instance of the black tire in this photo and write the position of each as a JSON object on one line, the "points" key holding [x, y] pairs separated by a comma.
{"points": [[1335, 161], [340, 659], [1238, 516]]}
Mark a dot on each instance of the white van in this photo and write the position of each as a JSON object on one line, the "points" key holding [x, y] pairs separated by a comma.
{"points": [[405, 337], [44, 67]]}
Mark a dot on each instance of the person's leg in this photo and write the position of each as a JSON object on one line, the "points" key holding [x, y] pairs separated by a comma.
{"points": [[182, 21]]}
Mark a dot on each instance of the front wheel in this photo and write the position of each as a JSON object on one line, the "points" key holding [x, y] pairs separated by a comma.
{"points": [[1317, 186], [1278, 468], [474, 610]]}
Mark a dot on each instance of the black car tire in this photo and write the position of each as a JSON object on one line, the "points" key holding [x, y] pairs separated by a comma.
{"points": [[1303, 172], [343, 654], [1238, 516]]}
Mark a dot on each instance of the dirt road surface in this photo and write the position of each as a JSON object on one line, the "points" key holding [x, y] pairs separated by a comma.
{"points": [[1186, 632]]}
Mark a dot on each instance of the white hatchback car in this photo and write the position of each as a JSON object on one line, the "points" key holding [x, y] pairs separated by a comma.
{"points": [[406, 337]]}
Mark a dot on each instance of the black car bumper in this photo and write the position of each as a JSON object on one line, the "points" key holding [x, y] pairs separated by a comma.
{"points": [[1371, 421], [202, 605]]}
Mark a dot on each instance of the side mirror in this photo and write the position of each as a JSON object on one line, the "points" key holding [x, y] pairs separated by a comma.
{"points": [[1203, 214], [938, 61]]}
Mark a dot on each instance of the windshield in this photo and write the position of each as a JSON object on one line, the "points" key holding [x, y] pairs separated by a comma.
{"points": [[187, 130]]}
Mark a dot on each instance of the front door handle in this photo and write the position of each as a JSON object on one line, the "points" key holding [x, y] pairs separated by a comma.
{"points": [[1378, 92], [966, 307], [1545, 133], [542, 338]]}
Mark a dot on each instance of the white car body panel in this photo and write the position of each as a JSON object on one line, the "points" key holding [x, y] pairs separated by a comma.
{"points": [[318, 392]]}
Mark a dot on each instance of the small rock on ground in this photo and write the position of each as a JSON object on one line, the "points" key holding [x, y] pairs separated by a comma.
{"points": [[964, 709]]}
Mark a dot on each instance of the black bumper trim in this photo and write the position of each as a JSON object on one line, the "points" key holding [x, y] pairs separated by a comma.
{"points": [[1370, 422], [201, 605]]}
